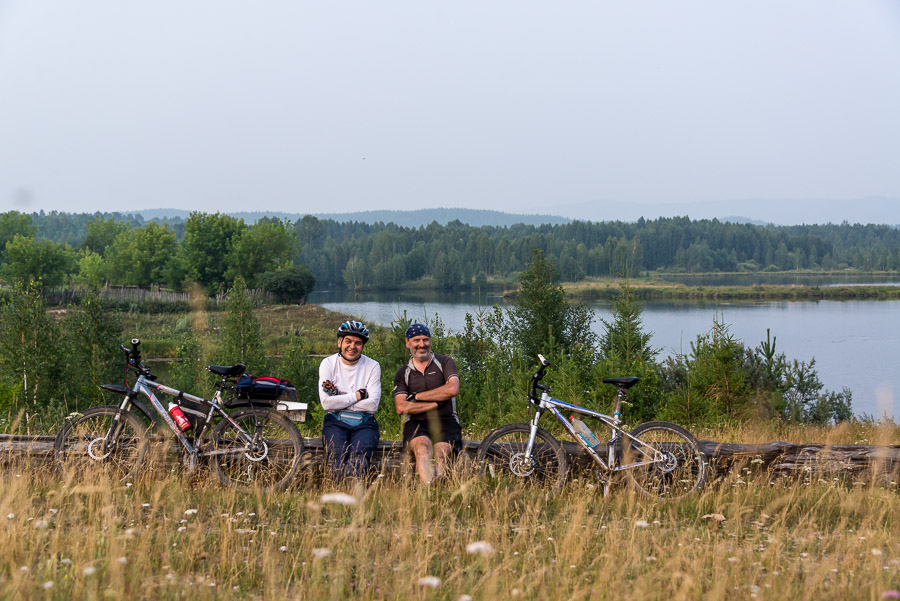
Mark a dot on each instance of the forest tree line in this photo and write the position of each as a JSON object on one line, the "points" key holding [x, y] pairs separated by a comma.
{"points": [[213, 249]]}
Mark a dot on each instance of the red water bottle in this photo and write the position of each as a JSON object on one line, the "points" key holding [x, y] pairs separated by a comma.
{"points": [[179, 417]]}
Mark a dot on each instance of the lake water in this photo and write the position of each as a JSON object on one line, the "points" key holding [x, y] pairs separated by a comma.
{"points": [[855, 343]]}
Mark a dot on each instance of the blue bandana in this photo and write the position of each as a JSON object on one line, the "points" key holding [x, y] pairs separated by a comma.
{"points": [[417, 329]]}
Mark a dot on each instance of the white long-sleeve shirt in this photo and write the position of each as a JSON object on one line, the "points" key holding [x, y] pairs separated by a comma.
{"points": [[365, 373]]}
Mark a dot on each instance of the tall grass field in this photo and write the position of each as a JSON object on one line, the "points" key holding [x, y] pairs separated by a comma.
{"points": [[748, 535]]}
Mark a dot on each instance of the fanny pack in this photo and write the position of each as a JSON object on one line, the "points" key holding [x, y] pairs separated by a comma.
{"points": [[352, 418]]}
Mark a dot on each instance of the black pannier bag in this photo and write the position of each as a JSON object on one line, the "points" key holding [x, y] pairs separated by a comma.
{"points": [[261, 391], [196, 413]]}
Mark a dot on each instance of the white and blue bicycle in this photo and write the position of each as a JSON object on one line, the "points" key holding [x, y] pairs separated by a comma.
{"points": [[662, 460]]}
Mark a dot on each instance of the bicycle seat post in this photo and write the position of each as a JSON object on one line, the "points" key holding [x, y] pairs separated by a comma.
{"points": [[621, 396]]}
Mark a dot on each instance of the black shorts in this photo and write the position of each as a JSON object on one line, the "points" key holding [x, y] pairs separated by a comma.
{"points": [[450, 432]]}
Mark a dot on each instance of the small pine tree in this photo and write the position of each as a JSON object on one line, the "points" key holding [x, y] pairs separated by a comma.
{"points": [[242, 331], [624, 339], [542, 319]]}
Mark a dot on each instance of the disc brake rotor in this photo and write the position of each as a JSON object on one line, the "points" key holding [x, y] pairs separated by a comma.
{"points": [[258, 453], [92, 450], [520, 466], [667, 463]]}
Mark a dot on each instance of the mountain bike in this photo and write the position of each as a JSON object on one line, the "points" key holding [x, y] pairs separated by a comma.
{"points": [[255, 446], [662, 460]]}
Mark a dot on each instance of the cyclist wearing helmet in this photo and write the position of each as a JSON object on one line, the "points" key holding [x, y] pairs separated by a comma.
{"points": [[350, 390]]}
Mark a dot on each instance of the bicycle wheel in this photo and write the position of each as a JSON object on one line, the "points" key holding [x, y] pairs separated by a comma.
{"points": [[271, 461], [85, 448], [502, 454], [674, 465]]}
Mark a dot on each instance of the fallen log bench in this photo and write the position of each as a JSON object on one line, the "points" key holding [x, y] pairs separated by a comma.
{"points": [[878, 463]]}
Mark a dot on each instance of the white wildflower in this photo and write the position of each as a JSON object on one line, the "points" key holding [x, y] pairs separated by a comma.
{"points": [[283, 548], [11, 516], [190, 512], [430, 581], [23, 569], [465, 598], [89, 571], [641, 524], [122, 560], [182, 528], [47, 585], [339, 498], [482, 547], [321, 552]]}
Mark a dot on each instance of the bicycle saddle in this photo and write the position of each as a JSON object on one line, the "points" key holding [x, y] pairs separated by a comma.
{"points": [[622, 382], [227, 370]]}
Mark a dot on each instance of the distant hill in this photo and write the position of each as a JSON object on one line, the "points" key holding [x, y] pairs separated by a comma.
{"points": [[473, 217], [416, 218]]}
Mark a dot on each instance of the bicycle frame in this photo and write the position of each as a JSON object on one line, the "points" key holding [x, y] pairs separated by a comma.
{"points": [[548, 403], [146, 387]]}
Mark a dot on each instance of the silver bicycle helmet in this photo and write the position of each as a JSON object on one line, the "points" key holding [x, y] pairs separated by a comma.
{"points": [[354, 328]]}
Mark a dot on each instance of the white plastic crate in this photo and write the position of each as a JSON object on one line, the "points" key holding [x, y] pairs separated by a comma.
{"points": [[294, 410]]}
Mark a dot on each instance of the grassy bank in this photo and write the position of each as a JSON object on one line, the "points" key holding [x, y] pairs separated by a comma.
{"points": [[161, 333], [656, 290], [170, 538]]}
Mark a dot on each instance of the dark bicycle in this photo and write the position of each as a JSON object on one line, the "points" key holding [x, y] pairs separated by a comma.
{"points": [[255, 446]]}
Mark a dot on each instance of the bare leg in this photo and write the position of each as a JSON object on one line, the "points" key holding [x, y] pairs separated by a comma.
{"points": [[442, 452], [422, 450]]}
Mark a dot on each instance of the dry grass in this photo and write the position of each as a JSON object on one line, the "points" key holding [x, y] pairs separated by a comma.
{"points": [[169, 537], [844, 433]]}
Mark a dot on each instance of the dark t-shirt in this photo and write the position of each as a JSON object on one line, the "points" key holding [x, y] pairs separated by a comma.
{"points": [[438, 372]]}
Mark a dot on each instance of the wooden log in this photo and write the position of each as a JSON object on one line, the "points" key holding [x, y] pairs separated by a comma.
{"points": [[779, 457]]}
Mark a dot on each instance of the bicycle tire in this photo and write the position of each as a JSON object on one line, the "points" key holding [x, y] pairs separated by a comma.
{"points": [[79, 448], [500, 454], [683, 471], [274, 461]]}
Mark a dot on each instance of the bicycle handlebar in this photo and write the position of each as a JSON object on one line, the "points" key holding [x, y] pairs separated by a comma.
{"points": [[134, 358], [537, 377]]}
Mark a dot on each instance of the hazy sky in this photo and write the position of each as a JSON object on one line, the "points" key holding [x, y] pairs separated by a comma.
{"points": [[521, 106]]}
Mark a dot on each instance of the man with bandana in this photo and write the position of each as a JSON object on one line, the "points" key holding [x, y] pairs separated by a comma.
{"points": [[425, 392], [350, 390]]}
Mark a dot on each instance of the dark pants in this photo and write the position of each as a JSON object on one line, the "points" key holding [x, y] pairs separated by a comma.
{"points": [[349, 449]]}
